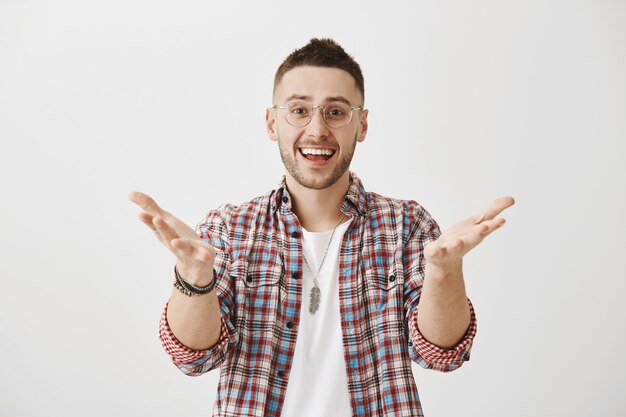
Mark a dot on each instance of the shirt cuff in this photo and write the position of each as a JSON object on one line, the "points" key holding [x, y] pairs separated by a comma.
{"points": [[183, 355], [441, 359]]}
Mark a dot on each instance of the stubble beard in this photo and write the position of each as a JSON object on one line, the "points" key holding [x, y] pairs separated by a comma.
{"points": [[316, 184]]}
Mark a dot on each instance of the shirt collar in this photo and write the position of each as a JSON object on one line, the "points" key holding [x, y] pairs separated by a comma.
{"points": [[354, 203]]}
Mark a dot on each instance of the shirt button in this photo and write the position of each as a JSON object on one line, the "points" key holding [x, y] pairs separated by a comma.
{"points": [[285, 199], [280, 374], [289, 325], [392, 278], [294, 234], [249, 279], [295, 275]]}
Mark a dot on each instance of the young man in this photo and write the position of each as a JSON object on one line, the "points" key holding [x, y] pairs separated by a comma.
{"points": [[307, 298]]}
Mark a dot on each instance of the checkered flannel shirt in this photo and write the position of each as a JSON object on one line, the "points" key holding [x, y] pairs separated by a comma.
{"points": [[259, 271]]}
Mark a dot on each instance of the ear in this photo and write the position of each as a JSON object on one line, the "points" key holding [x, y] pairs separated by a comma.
{"points": [[362, 125], [270, 124]]}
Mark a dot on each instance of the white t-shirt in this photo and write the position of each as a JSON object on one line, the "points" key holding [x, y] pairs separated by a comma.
{"points": [[318, 384]]}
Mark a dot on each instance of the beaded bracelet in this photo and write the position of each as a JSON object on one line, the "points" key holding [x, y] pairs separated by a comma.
{"points": [[189, 289]]}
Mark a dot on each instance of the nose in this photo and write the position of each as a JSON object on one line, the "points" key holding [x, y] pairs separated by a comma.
{"points": [[317, 127]]}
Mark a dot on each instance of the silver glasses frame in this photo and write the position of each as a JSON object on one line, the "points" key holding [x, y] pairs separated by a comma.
{"points": [[314, 109]]}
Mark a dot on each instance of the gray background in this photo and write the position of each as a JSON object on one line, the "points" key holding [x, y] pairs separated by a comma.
{"points": [[468, 101]]}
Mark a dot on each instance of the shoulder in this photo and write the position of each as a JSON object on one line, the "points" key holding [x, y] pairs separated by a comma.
{"points": [[229, 215], [410, 210], [381, 208], [410, 214]]}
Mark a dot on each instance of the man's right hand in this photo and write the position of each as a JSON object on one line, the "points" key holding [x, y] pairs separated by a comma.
{"points": [[194, 257]]}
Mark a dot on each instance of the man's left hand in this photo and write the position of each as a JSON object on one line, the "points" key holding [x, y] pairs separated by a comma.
{"points": [[445, 254]]}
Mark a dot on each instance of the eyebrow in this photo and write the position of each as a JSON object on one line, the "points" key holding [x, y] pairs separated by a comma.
{"points": [[327, 99]]}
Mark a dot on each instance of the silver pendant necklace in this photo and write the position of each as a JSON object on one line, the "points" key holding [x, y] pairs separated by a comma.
{"points": [[316, 294]]}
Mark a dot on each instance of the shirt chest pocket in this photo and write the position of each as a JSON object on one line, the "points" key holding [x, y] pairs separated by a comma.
{"points": [[260, 295], [385, 298]]}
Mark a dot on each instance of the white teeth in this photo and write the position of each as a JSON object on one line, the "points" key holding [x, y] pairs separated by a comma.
{"points": [[309, 151]]}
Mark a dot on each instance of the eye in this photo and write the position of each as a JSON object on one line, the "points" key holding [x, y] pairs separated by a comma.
{"points": [[299, 109], [336, 111]]}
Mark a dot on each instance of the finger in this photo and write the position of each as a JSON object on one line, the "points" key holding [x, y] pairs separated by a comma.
{"points": [[147, 203], [480, 231], [483, 230], [188, 248], [147, 220], [164, 228], [488, 226], [495, 208], [182, 248]]}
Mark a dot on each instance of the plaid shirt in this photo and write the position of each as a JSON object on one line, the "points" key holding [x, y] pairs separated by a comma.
{"points": [[259, 270]]}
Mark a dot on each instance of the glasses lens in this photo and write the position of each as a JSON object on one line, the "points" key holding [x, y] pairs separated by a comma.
{"points": [[298, 113], [337, 114]]}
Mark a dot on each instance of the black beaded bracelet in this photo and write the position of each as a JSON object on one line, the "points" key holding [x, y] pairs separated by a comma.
{"points": [[189, 289]]}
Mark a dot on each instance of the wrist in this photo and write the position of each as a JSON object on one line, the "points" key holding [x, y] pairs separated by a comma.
{"points": [[190, 289], [199, 278], [444, 272]]}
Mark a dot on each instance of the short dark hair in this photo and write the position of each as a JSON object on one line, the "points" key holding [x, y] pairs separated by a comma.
{"points": [[322, 52]]}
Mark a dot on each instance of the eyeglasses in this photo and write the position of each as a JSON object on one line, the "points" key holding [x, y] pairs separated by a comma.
{"points": [[300, 114]]}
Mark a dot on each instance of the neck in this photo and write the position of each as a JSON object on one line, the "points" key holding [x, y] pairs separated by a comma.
{"points": [[318, 210]]}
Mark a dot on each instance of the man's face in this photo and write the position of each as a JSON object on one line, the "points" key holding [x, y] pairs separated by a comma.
{"points": [[299, 146]]}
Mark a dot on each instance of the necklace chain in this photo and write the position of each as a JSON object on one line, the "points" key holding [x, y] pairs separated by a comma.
{"points": [[315, 296]]}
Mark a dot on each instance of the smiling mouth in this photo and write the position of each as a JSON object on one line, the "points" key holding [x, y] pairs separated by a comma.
{"points": [[313, 154]]}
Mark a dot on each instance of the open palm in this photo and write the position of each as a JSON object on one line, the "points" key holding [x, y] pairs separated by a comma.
{"points": [[194, 257], [448, 250]]}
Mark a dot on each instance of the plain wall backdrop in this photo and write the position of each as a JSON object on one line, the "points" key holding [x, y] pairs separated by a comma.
{"points": [[468, 101]]}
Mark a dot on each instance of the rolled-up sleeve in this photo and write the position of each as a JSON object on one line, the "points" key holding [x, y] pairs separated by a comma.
{"points": [[194, 362], [431, 356]]}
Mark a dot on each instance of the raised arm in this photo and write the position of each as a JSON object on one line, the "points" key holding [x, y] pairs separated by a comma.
{"points": [[195, 321], [444, 312]]}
